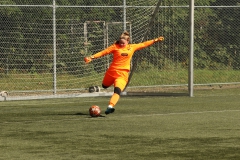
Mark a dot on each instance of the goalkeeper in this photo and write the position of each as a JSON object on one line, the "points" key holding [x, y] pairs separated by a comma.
{"points": [[117, 73]]}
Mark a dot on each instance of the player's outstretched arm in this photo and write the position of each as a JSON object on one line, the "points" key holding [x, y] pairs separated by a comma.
{"points": [[100, 54], [148, 43]]}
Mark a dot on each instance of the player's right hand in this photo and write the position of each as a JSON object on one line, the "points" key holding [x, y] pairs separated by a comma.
{"points": [[87, 59], [161, 38]]}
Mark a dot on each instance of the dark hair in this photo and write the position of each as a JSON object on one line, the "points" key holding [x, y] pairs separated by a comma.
{"points": [[125, 35]]}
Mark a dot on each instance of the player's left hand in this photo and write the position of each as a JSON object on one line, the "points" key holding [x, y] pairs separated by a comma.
{"points": [[87, 59], [161, 38]]}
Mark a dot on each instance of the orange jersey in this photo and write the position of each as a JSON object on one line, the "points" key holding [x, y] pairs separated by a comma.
{"points": [[122, 56]]}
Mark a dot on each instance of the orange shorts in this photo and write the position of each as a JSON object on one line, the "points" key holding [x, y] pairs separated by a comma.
{"points": [[118, 78]]}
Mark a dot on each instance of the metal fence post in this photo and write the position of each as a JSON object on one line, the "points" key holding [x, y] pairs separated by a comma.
{"points": [[124, 16], [54, 50], [190, 74]]}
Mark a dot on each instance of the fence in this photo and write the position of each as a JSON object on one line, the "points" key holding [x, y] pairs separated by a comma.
{"points": [[43, 44]]}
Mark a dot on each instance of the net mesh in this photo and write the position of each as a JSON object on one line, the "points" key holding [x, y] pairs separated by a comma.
{"points": [[27, 61]]}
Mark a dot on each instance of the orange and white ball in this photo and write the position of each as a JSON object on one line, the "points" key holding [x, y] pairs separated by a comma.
{"points": [[94, 111]]}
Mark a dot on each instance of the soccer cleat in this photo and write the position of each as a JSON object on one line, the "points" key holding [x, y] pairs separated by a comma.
{"points": [[109, 110]]}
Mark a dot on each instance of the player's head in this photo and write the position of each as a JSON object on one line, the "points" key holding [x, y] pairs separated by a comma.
{"points": [[125, 35], [124, 39]]}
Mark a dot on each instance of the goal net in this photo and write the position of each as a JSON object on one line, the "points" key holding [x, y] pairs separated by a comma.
{"points": [[29, 67], [159, 69]]}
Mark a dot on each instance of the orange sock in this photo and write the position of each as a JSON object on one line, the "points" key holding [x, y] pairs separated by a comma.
{"points": [[114, 99]]}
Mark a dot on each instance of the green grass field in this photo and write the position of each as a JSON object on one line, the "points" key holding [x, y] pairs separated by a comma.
{"points": [[206, 126]]}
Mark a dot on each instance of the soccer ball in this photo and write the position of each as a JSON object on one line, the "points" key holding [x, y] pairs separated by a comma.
{"points": [[94, 89], [94, 111]]}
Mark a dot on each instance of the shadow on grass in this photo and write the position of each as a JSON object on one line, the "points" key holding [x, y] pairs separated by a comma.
{"points": [[84, 114], [79, 114]]}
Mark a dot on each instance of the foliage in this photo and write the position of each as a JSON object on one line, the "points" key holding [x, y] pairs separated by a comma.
{"points": [[228, 24], [217, 41]]}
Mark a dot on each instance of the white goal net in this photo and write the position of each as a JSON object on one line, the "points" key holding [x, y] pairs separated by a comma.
{"points": [[30, 67]]}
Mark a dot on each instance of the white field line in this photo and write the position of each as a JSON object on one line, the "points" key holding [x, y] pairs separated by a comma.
{"points": [[23, 103], [127, 116], [48, 103]]}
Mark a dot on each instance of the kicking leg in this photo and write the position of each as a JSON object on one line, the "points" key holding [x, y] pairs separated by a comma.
{"points": [[120, 81], [114, 99]]}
